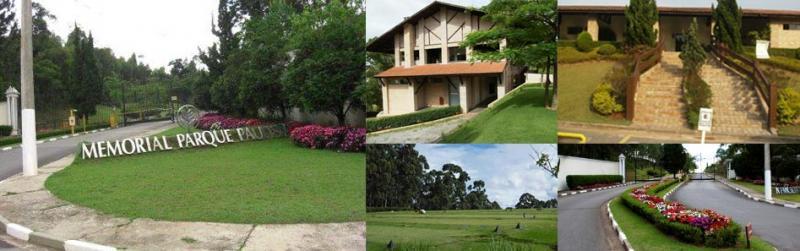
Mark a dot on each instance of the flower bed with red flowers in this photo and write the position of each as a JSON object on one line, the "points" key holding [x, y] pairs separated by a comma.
{"points": [[345, 139], [690, 225], [214, 121]]}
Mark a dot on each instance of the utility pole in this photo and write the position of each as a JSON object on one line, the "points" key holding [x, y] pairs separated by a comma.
{"points": [[767, 173], [30, 163]]}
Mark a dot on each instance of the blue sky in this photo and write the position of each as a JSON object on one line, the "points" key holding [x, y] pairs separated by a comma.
{"points": [[748, 4], [507, 170], [382, 15]]}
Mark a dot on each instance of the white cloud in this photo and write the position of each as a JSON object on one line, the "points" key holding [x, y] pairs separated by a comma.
{"points": [[507, 170]]}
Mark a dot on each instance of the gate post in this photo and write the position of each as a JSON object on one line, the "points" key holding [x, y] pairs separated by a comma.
{"points": [[767, 174], [622, 167], [12, 97]]}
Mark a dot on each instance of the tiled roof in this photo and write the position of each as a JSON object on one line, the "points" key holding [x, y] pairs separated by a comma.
{"points": [[444, 69], [566, 9]]}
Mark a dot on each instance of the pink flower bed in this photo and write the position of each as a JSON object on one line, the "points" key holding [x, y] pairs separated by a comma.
{"points": [[674, 211], [208, 121], [338, 138]]}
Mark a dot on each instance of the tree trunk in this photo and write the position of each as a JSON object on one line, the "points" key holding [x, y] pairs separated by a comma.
{"points": [[547, 83], [554, 105]]}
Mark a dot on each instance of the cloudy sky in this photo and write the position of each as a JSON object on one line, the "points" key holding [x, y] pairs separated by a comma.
{"points": [[752, 4], [507, 170], [159, 30], [707, 153], [382, 15]]}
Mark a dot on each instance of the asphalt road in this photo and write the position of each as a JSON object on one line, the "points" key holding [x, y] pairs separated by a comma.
{"points": [[583, 224], [776, 224], [11, 161]]}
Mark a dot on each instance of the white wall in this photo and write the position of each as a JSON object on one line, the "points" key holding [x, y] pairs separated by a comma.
{"points": [[582, 166], [537, 78], [4, 116]]}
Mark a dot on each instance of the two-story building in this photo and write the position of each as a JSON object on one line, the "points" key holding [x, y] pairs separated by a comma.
{"points": [[607, 23], [431, 69]]}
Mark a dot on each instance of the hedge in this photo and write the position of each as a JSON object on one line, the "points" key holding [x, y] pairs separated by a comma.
{"points": [[5, 130], [574, 181], [53, 133], [724, 237], [383, 123]]}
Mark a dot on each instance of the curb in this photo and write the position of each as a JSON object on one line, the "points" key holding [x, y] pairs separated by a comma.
{"points": [[673, 190], [749, 196], [55, 138], [621, 235], [560, 195]]}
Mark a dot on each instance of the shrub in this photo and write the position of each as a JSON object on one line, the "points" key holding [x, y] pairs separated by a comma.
{"points": [[335, 138], [606, 50], [618, 78], [585, 42], [383, 123], [219, 121], [698, 94], [576, 181], [788, 105], [5, 130], [604, 101]]}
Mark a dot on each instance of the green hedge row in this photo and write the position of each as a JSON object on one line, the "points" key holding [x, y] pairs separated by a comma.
{"points": [[5, 130], [725, 237], [383, 123], [48, 134], [574, 181]]}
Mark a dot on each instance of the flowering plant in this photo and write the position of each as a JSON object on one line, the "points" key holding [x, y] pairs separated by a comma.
{"points": [[218, 121], [706, 219], [339, 138]]}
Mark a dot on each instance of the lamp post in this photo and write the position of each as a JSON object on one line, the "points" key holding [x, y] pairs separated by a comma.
{"points": [[29, 157]]}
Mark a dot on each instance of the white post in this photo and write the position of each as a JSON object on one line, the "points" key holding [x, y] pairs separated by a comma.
{"points": [[767, 173], [13, 109], [29, 157], [622, 166]]}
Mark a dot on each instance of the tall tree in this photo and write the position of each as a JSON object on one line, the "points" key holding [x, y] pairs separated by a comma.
{"points": [[728, 24], [527, 200], [9, 46], [640, 16], [328, 62], [692, 54], [674, 158], [84, 81], [216, 57]]}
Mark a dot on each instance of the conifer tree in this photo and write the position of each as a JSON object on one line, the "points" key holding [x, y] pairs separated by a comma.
{"points": [[641, 15], [692, 53], [728, 28]]}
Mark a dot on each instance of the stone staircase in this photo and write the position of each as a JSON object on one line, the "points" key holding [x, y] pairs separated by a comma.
{"points": [[737, 107], [660, 104], [659, 97]]}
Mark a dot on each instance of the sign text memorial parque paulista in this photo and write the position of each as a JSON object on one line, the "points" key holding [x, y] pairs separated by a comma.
{"points": [[132, 146]]}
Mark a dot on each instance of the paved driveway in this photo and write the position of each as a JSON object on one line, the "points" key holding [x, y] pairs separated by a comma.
{"points": [[776, 224], [583, 224]]}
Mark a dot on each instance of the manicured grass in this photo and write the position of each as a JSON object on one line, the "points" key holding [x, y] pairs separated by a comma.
{"points": [[760, 189], [259, 182], [517, 118], [645, 236], [569, 54], [576, 84], [176, 130], [641, 172], [463, 230]]}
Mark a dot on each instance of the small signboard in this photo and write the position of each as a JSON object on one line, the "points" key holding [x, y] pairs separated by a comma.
{"points": [[71, 120], [762, 49], [174, 98], [705, 119]]}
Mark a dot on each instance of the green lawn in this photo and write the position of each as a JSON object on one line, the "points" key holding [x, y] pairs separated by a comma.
{"points": [[258, 182], [463, 230], [517, 118], [760, 189], [641, 172], [576, 84], [645, 236], [176, 130], [569, 54]]}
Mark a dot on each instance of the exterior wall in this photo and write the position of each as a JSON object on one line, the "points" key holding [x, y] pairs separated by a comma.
{"points": [[434, 92], [571, 21], [401, 100], [592, 27], [582, 166], [671, 26], [780, 38], [4, 116]]}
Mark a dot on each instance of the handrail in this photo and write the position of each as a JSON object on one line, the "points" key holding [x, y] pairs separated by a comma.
{"points": [[767, 92], [579, 136], [641, 63]]}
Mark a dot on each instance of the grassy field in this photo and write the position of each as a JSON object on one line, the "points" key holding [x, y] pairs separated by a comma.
{"points": [[517, 118], [641, 172], [577, 82], [463, 230], [258, 182], [645, 236], [760, 189]]}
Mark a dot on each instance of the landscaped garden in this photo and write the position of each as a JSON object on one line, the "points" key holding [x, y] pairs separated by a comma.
{"points": [[518, 117], [758, 186], [463, 230], [578, 84], [652, 223]]}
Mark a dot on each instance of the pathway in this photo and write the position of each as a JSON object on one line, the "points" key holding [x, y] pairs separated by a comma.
{"points": [[428, 132], [776, 224], [583, 223], [659, 97], [737, 107]]}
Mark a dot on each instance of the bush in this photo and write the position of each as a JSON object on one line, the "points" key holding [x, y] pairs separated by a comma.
{"points": [[585, 42], [606, 50], [698, 94], [604, 101], [219, 121], [383, 123], [335, 138], [788, 105], [5, 130], [576, 181]]}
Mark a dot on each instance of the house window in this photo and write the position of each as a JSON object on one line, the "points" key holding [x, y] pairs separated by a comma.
{"points": [[575, 30], [792, 27], [416, 57], [433, 56], [402, 56], [486, 47], [457, 54]]}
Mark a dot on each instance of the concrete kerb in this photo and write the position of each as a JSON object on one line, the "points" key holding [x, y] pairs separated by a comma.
{"points": [[755, 198], [41, 141], [666, 195], [564, 194], [620, 234]]}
